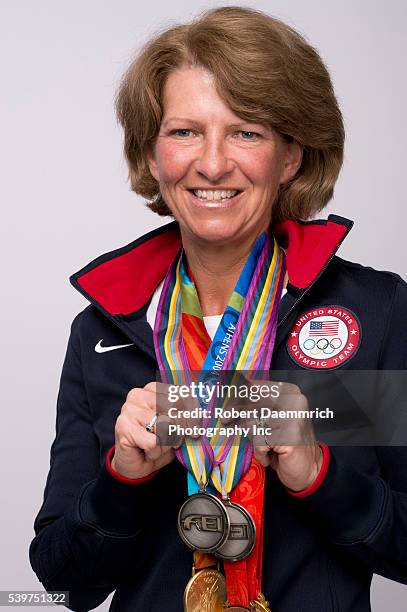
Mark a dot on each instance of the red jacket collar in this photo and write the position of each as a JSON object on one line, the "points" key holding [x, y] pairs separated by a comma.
{"points": [[122, 281]]}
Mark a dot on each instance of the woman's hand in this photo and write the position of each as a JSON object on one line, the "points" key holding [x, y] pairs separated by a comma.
{"points": [[137, 451], [297, 466], [291, 450]]}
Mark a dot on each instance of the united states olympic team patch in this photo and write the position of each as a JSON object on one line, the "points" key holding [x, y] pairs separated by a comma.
{"points": [[324, 337]]}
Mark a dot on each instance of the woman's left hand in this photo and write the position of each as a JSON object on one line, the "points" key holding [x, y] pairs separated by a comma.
{"points": [[295, 455], [297, 466]]}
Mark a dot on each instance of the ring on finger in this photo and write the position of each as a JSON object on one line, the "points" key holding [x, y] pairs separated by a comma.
{"points": [[262, 424], [151, 424], [266, 442]]}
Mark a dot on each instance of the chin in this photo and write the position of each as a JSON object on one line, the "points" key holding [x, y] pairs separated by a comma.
{"points": [[213, 231]]}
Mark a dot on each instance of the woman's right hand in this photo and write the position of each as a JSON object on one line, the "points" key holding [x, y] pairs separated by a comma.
{"points": [[137, 451]]}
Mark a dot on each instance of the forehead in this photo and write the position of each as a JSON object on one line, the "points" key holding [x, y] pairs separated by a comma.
{"points": [[191, 92]]}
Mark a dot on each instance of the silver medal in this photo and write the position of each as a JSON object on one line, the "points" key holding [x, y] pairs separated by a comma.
{"points": [[203, 522], [242, 534]]}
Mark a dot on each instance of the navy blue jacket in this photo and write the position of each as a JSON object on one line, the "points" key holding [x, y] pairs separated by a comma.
{"points": [[96, 534]]}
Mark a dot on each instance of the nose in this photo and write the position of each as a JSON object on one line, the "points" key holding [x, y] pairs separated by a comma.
{"points": [[213, 162]]}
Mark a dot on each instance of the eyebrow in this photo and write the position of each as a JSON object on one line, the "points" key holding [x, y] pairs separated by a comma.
{"points": [[180, 120], [198, 124]]}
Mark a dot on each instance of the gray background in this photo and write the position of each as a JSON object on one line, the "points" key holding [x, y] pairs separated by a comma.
{"points": [[65, 198]]}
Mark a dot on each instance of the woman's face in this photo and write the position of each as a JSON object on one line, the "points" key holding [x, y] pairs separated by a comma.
{"points": [[218, 174]]}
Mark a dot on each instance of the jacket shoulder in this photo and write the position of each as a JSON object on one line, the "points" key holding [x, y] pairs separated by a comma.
{"points": [[382, 296], [360, 272], [84, 322], [85, 316]]}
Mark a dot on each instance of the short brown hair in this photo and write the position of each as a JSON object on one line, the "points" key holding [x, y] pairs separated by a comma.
{"points": [[266, 72]]}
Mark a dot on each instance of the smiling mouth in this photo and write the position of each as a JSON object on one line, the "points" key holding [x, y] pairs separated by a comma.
{"points": [[214, 195]]}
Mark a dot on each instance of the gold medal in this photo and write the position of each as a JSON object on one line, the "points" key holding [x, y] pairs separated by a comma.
{"points": [[260, 604], [205, 592]]}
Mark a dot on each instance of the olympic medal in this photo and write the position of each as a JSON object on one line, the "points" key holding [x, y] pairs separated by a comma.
{"points": [[203, 522], [242, 534], [205, 592], [260, 604]]}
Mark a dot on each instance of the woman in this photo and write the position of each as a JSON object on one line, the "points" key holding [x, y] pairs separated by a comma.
{"points": [[232, 127]]}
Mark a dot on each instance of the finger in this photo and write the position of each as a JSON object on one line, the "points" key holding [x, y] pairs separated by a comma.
{"points": [[151, 386], [162, 431], [149, 404], [153, 396], [136, 415], [130, 429], [262, 455], [139, 397], [148, 441], [154, 454], [157, 450], [284, 386], [156, 386], [165, 458], [160, 395], [262, 393]]}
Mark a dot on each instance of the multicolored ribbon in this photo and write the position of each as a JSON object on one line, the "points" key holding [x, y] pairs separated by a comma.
{"points": [[244, 341]]}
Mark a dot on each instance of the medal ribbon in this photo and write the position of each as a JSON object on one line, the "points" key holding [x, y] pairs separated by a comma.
{"points": [[244, 340], [250, 350]]}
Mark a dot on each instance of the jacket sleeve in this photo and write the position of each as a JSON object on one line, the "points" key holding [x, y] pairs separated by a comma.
{"points": [[365, 515], [90, 523]]}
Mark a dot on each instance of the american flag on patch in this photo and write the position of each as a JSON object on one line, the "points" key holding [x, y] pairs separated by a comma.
{"points": [[324, 328]]}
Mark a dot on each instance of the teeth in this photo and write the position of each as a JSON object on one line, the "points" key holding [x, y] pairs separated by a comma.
{"points": [[217, 195]]}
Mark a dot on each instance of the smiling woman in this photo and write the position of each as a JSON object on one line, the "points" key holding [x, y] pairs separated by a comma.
{"points": [[275, 59], [216, 173], [232, 128]]}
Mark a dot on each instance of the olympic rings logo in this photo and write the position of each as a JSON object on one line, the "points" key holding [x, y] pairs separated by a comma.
{"points": [[322, 344]]}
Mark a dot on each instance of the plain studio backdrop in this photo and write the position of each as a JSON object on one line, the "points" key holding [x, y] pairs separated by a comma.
{"points": [[65, 198]]}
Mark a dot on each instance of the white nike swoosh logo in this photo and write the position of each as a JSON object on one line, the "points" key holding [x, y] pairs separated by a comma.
{"points": [[104, 349]]}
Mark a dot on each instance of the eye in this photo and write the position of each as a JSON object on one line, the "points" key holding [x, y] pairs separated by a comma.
{"points": [[249, 135], [182, 132]]}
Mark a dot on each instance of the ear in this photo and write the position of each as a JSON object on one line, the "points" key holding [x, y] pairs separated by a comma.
{"points": [[151, 160], [292, 161]]}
